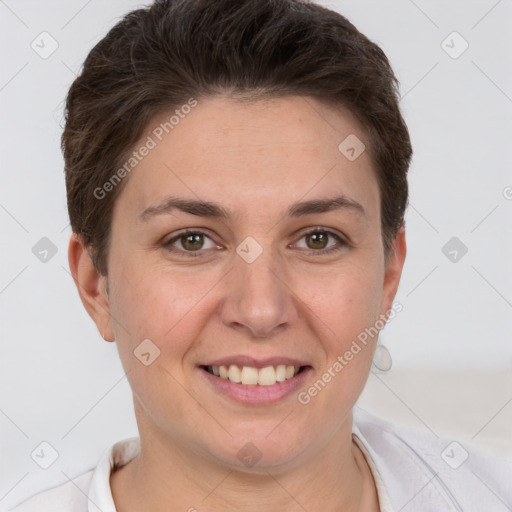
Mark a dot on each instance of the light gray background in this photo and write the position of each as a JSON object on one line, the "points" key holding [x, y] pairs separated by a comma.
{"points": [[451, 344]]}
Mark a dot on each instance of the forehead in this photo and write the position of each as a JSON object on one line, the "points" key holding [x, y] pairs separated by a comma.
{"points": [[241, 152]]}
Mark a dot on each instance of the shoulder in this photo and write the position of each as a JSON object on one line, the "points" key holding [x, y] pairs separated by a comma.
{"points": [[70, 496], [419, 467], [90, 489]]}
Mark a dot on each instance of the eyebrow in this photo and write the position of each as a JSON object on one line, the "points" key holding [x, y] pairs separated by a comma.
{"points": [[215, 210]]}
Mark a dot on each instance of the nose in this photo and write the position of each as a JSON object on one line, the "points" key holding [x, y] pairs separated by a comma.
{"points": [[258, 300]]}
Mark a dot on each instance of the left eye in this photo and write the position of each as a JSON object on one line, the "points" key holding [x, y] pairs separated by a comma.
{"points": [[318, 241]]}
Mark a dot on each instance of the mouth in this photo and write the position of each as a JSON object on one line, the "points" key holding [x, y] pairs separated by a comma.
{"points": [[253, 376], [253, 382]]}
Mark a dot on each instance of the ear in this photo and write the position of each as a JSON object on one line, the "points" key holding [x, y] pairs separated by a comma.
{"points": [[91, 286], [393, 270]]}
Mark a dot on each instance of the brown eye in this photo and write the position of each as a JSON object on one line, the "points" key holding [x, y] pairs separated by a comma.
{"points": [[190, 243], [317, 240], [321, 241]]}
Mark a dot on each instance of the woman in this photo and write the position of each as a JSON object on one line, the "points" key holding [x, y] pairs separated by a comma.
{"points": [[236, 179]]}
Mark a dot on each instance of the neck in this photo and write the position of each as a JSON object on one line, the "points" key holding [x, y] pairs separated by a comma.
{"points": [[167, 476]]}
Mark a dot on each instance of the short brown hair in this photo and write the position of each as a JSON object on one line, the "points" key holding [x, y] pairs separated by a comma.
{"points": [[158, 57]]}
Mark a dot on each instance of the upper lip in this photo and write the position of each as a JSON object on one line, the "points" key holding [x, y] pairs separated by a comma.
{"points": [[242, 360]]}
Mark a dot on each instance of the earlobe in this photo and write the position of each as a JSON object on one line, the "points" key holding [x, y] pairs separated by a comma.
{"points": [[91, 286], [393, 271]]}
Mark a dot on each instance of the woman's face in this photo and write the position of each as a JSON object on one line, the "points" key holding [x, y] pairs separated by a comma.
{"points": [[250, 285]]}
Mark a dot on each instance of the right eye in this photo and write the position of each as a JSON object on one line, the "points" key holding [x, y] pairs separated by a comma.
{"points": [[190, 241]]}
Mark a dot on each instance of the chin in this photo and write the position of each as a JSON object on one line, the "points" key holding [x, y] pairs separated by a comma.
{"points": [[259, 453]]}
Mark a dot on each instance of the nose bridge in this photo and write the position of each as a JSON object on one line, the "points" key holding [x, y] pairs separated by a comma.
{"points": [[258, 299]]}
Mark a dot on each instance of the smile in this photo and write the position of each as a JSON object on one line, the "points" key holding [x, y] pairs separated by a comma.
{"points": [[252, 376], [256, 382]]}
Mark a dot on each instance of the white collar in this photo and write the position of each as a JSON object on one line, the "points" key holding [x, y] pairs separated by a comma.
{"points": [[100, 492]]}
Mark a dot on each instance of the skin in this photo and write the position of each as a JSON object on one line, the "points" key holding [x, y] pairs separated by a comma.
{"points": [[255, 159]]}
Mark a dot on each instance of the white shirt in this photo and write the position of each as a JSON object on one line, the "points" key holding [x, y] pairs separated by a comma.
{"points": [[413, 472]]}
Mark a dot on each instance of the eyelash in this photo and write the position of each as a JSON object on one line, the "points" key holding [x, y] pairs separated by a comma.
{"points": [[194, 254]]}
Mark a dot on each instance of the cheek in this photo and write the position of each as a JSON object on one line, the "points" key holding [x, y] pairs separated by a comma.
{"points": [[348, 313], [157, 303], [148, 303], [347, 301]]}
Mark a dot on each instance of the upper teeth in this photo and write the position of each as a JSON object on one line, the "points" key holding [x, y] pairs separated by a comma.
{"points": [[250, 375]]}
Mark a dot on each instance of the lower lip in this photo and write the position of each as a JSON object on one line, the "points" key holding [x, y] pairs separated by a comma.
{"points": [[257, 394]]}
